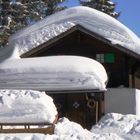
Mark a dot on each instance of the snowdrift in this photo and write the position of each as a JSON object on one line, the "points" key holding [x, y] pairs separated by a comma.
{"points": [[27, 106], [125, 126]]}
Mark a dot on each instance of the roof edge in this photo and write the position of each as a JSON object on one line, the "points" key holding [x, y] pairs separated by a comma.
{"points": [[86, 31]]}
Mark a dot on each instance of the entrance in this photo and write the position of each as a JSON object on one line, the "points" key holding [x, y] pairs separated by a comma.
{"points": [[83, 108]]}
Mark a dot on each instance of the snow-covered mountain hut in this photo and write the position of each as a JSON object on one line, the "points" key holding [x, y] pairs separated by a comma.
{"points": [[73, 81], [85, 32]]}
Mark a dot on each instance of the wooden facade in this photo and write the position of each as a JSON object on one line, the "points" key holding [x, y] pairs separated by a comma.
{"points": [[122, 65], [123, 71], [86, 108]]}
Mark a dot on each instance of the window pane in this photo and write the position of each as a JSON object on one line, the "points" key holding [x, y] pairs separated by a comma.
{"points": [[100, 58], [109, 58]]}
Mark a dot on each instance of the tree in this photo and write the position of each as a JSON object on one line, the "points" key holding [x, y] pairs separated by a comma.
{"points": [[16, 14], [52, 6], [105, 6]]}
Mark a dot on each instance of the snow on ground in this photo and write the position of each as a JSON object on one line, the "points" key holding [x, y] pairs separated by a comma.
{"points": [[68, 130], [24, 106], [91, 19], [125, 126], [53, 73], [111, 127]]}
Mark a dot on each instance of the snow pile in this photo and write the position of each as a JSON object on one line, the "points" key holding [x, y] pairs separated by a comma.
{"points": [[125, 126], [91, 19], [53, 73], [66, 129], [137, 92], [26, 106]]}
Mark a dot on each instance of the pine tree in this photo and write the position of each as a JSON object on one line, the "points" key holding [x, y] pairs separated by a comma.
{"points": [[52, 6], [4, 22], [105, 6], [16, 14]]}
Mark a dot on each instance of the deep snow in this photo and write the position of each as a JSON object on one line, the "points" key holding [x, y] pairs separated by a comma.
{"points": [[91, 19], [26, 106], [14, 105], [53, 73], [111, 127]]}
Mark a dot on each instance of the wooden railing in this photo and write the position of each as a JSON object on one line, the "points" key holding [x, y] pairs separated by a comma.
{"points": [[42, 127]]}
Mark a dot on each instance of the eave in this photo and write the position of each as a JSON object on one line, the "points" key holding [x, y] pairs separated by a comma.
{"points": [[82, 29]]}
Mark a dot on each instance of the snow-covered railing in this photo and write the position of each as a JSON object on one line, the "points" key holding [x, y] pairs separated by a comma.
{"points": [[42, 127], [45, 128], [26, 111]]}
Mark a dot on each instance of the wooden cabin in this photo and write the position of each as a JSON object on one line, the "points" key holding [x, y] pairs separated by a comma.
{"points": [[121, 63]]}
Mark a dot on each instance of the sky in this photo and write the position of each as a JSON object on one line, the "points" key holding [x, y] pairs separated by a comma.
{"points": [[130, 13]]}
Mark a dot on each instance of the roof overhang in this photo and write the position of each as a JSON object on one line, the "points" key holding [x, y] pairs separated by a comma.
{"points": [[53, 74], [82, 29]]}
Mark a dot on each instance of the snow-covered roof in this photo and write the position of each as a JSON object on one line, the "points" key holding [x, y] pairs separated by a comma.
{"points": [[26, 106], [53, 73], [91, 19]]}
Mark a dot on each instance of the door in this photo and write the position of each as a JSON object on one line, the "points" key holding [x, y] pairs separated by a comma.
{"points": [[83, 108]]}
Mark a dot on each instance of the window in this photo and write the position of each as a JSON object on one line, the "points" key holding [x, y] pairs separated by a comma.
{"points": [[109, 58], [100, 58], [105, 58]]}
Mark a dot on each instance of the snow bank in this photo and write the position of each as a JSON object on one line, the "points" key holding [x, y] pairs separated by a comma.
{"points": [[122, 100], [125, 126], [53, 73], [91, 19], [26, 106], [66, 129], [137, 91]]}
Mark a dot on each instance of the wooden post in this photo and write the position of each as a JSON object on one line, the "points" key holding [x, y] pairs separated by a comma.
{"points": [[133, 77], [100, 105], [133, 81], [97, 112]]}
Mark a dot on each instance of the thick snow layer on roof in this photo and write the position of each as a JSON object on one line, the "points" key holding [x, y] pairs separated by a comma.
{"points": [[68, 130], [9, 53], [26, 106], [53, 73], [91, 19]]}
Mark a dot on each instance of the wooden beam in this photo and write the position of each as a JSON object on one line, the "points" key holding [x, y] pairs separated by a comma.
{"points": [[48, 130]]}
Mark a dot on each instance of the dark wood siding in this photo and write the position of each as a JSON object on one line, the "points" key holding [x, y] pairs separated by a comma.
{"points": [[84, 108], [81, 44]]}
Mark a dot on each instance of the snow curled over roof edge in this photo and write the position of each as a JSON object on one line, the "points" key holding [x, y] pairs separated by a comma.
{"points": [[91, 19], [53, 73]]}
